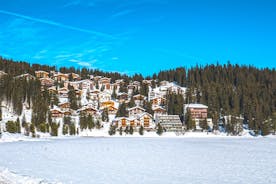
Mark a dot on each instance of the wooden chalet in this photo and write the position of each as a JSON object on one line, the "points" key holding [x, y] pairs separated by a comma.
{"points": [[158, 110], [61, 77], [135, 110], [65, 106], [104, 82], [56, 113], [25, 76], [41, 74], [47, 82], [122, 97], [139, 99], [161, 101], [88, 111]]}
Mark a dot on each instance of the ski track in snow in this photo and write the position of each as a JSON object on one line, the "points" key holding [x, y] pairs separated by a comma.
{"points": [[140, 160]]}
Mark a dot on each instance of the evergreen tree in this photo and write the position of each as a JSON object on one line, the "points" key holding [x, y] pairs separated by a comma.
{"points": [[72, 129], [265, 128], [148, 107], [175, 104], [83, 121], [144, 89], [203, 124], [102, 88], [215, 119], [67, 120], [238, 126], [65, 129], [11, 127], [131, 130], [141, 130], [72, 98], [114, 95], [49, 118], [54, 129], [131, 103], [0, 112], [98, 124], [32, 129], [105, 115], [43, 127], [90, 122], [122, 112], [189, 121], [127, 129], [18, 126], [121, 131], [159, 129], [274, 123], [112, 130], [123, 88]]}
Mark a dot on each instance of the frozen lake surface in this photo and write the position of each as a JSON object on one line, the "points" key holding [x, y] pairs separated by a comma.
{"points": [[144, 160]]}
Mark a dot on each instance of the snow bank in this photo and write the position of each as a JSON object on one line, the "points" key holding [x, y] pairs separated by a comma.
{"points": [[8, 137], [8, 177]]}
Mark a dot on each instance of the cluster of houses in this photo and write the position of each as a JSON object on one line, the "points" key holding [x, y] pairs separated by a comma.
{"points": [[97, 93]]}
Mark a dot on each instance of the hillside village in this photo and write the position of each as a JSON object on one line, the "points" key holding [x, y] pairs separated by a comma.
{"points": [[82, 104], [222, 99]]}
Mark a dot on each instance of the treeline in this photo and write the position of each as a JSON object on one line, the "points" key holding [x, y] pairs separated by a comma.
{"points": [[235, 90], [21, 67]]}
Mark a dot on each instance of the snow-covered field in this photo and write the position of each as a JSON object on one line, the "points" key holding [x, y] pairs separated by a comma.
{"points": [[139, 160]]}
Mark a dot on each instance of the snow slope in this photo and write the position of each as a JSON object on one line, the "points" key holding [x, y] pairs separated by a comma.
{"points": [[8, 177], [143, 160]]}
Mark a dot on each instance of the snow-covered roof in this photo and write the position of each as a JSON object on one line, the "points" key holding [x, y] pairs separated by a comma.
{"points": [[61, 103], [199, 106], [138, 95], [143, 114], [157, 107], [136, 107], [41, 71]]}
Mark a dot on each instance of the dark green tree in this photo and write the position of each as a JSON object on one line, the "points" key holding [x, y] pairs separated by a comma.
{"points": [[122, 112], [112, 130], [11, 127], [131, 103], [72, 129], [90, 122], [105, 117], [141, 130], [121, 131], [72, 98], [159, 129], [18, 126], [131, 130], [65, 129]]}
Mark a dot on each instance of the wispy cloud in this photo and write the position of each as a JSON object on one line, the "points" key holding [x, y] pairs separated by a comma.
{"points": [[57, 24], [41, 54], [121, 13], [88, 3], [114, 58], [87, 64]]}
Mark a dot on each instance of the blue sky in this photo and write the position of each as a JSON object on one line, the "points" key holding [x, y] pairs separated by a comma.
{"points": [[141, 36]]}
